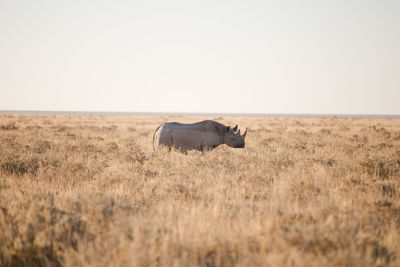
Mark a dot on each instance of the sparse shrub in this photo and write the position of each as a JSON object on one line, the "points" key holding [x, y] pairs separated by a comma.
{"points": [[112, 147], [3, 184], [109, 128], [361, 141], [9, 126], [303, 133], [388, 190], [298, 123], [382, 132], [42, 146], [60, 128], [325, 131], [396, 135], [370, 247], [382, 166], [135, 152], [270, 141], [300, 145], [326, 161], [282, 162], [262, 130], [13, 164], [344, 128]]}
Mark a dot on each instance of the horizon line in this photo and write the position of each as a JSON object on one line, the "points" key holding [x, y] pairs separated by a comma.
{"points": [[198, 114]]}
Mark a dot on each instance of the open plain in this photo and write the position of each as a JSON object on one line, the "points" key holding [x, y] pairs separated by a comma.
{"points": [[90, 191]]}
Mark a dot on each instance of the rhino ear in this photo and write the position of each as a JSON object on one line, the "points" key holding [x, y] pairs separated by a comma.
{"points": [[227, 128], [235, 128]]}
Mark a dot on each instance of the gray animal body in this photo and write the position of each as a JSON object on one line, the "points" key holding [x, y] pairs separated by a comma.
{"points": [[204, 136]]}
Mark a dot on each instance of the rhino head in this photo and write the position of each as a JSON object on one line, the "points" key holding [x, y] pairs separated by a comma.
{"points": [[233, 138]]}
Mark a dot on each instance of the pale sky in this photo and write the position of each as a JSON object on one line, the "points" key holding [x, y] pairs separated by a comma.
{"points": [[323, 57]]}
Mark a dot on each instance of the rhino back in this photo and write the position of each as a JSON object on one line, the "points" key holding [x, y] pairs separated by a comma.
{"points": [[203, 126]]}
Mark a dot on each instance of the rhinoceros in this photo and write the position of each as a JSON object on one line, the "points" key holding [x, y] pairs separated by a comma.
{"points": [[204, 136]]}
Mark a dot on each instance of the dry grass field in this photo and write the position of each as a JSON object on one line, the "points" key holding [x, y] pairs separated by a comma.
{"points": [[90, 191]]}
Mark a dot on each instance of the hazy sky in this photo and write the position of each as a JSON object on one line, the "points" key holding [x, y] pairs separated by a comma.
{"points": [[201, 56]]}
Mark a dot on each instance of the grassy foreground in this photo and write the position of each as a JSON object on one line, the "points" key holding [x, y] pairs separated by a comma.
{"points": [[90, 191]]}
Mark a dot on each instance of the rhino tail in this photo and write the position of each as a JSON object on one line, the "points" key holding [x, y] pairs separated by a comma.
{"points": [[154, 135]]}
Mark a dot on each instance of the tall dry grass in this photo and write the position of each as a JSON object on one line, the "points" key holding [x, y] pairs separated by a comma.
{"points": [[89, 191]]}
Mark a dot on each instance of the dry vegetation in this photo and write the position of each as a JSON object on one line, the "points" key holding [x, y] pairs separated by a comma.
{"points": [[89, 191]]}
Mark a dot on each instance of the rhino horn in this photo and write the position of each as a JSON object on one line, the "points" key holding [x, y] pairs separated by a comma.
{"points": [[244, 135]]}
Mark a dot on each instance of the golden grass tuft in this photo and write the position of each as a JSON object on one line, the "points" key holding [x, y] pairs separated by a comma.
{"points": [[90, 191]]}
